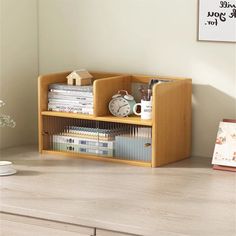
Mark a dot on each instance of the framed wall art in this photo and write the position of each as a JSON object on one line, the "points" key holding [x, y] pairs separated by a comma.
{"points": [[217, 20]]}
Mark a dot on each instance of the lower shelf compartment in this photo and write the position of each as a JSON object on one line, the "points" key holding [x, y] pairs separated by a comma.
{"points": [[98, 158], [105, 140]]}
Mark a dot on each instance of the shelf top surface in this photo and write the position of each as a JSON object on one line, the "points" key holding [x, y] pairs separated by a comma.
{"points": [[126, 120]]}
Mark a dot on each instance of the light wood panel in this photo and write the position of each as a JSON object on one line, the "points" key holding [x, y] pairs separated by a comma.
{"points": [[98, 158], [102, 232], [171, 122], [68, 115], [19, 225], [104, 89], [135, 120], [147, 78], [184, 198], [125, 120], [101, 75]]}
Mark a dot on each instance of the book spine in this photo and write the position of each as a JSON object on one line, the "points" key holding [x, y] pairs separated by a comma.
{"points": [[91, 133], [71, 87], [52, 95], [70, 107], [108, 152], [71, 110], [70, 102], [71, 93], [94, 137], [83, 141]]}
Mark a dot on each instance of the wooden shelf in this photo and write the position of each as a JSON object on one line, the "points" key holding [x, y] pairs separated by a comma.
{"points": [[98, 158], [68, 115], [135, 120], [170, 124]]}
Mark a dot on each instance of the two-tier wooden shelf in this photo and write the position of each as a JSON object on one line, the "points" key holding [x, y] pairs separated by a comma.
{"points": [[170, 124]]}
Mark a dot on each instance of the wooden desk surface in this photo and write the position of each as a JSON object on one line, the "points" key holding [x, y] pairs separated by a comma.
{"points": [[185, 198]]}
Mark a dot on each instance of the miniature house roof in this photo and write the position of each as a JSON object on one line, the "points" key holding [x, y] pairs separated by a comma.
{"points": [[79, 74]]}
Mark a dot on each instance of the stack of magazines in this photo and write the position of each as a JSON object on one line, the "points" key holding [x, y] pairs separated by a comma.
{"points": [[69, 98], [86, 140]]}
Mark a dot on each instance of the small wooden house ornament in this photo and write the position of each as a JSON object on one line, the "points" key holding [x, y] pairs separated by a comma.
{"points": [[79, 77]]}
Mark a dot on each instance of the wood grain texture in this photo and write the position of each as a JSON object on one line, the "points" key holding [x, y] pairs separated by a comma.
{"points": [[147, 78], [14, 225], [98, 158], [102, 232], [125, 120], [184, 198], [171, 131], [104, 89], [9, 228]]}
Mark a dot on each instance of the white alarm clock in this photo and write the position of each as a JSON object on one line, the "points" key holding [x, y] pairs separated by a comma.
{"points": [[122, 104]]}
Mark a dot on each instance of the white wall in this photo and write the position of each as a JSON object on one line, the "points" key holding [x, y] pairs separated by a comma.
{"points": [[19, 69]]}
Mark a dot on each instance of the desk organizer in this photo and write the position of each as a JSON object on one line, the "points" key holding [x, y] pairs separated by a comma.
{"points": [[164, 139]]}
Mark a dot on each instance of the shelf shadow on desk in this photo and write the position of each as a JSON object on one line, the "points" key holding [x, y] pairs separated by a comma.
{"points": [[209, 106], [193, 162], [28, 173]]}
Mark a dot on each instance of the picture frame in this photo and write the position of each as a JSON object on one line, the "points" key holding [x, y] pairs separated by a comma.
{"points": [[217, 20], [225, 145]]}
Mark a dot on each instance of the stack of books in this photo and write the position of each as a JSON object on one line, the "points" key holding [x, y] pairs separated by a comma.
{"points": [[69, 98], [87, 140]]}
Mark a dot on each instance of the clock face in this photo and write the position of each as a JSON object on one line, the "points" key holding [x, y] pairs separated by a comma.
{"points": [[119, 107]]}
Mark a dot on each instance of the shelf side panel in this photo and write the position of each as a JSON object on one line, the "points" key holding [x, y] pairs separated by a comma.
{"points": [[171, 122]]}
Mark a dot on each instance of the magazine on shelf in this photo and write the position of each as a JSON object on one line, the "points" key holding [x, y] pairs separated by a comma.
{"points": [[96, 131], [61, 108], [83, 141], [107, 152], [82, 149], [70, 102], [69, 106], [53, 95], [61, 86], [225, 145], [94, 137], [71, 93]]}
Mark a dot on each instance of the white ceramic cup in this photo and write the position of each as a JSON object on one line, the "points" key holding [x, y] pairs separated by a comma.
{"points": [[146, 110], [5, 167]]}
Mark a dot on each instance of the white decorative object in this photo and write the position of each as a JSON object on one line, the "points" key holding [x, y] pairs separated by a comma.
{"points": [[79, 77], [146, 110], [6, 168], [217, 20]]}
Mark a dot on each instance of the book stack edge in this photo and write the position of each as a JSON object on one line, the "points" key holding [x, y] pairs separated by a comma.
{"points": [[70, 98]]}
